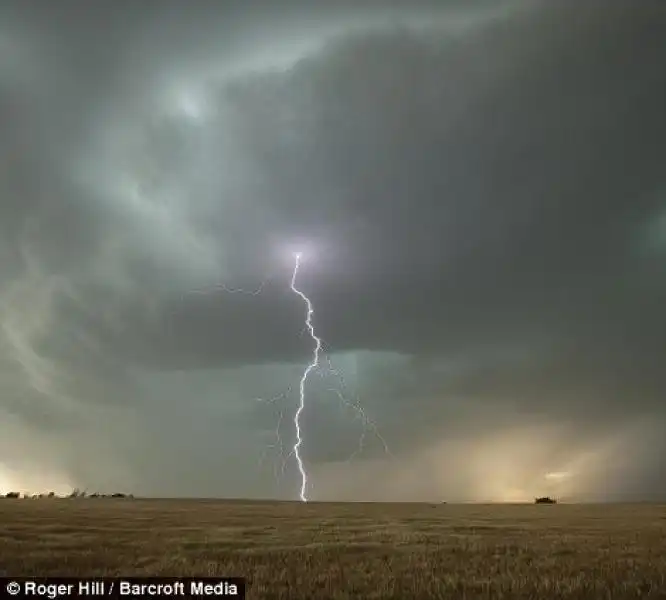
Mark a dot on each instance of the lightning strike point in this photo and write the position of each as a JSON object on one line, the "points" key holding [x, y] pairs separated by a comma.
{"points": [[314, 364]]}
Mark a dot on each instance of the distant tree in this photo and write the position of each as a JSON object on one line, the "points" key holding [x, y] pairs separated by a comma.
{"points": [[51, 494], [13, 495], [544, 500]]}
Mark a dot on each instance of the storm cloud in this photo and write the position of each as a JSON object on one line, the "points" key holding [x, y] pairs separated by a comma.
{"points": [[479, 194]]}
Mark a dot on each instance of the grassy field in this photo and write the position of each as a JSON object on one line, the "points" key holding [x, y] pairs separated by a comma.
{"points": [[321, 551]]}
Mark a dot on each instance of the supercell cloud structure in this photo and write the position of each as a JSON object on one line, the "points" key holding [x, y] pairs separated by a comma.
{"points": [[480, 195]]}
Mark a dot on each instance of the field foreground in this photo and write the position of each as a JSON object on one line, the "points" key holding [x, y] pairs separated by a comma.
{"points": [[336, 551]]}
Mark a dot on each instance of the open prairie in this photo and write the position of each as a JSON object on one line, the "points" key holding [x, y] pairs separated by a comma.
{"points": [[336, 551]]}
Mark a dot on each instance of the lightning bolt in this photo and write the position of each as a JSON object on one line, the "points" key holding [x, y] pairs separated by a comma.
{"points": [[278, 444], [355, 404], [220, 287], [205, 291], [301, 387], [341, 391]]}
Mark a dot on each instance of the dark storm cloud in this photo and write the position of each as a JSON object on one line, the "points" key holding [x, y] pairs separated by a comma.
{"points": [[489, 187], [558, 155], [478, 191]]}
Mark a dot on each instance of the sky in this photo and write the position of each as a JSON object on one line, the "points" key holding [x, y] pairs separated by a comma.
{"points": [[479, 196]]}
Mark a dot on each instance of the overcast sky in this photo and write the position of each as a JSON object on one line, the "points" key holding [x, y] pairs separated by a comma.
{"points": [[479, 193]]}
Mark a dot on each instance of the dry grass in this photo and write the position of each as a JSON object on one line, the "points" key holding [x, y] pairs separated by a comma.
{"points": [[335, 551]]}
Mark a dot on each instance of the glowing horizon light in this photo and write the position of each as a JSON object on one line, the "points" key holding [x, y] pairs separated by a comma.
{"points": [[33, 482], [311, 366]]}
